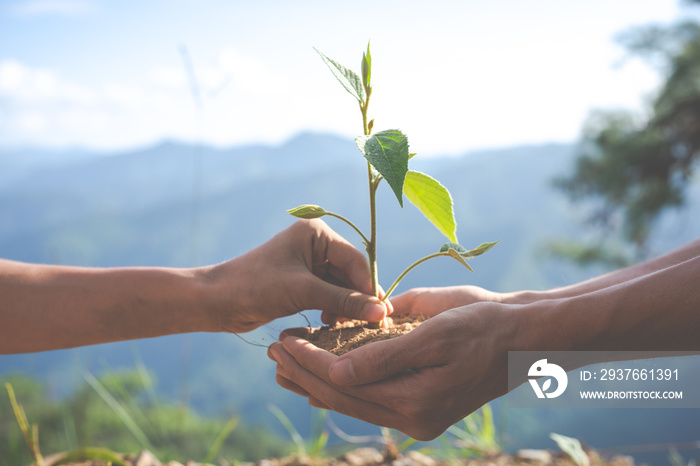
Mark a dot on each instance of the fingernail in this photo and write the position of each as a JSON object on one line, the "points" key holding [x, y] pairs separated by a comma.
{"points": [[374, 311], [342, 372]]}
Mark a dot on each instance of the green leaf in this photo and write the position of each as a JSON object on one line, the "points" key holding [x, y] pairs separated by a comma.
{"points": [[462, 251], [480, 250], [454, 250], [387, 151], [367, 69], [307, 211], [433, 200], [459, 249], [350, 81]]}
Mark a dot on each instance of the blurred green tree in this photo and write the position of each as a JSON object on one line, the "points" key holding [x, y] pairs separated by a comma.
{"points": [[633, 166]]}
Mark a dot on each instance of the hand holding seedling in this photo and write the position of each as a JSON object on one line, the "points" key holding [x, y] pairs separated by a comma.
{"points": [[419, 383], [307, 266], [423, 382]]}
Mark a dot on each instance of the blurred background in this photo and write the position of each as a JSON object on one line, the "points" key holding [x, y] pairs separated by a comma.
{"points": [[177, 133]]}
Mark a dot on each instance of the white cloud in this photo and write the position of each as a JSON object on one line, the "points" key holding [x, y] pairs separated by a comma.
{"points": [[32, 8], [27, 85], [20, 81], [31, 121], [167, 77], [10, 75], [247, 100], [247, 73], [124, 95], [477, 76], [43, 107]]}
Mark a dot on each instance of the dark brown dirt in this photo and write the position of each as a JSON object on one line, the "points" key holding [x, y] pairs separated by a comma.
{"points": [[345, 336]]}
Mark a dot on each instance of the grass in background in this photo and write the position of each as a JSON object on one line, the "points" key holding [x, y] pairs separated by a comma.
{"points": [[86, 420], [315, 445]]}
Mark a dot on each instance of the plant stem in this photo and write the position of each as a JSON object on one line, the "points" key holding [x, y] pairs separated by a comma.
{"points": [[354, 227], [372, 179], [372, 245], [408, 269]]}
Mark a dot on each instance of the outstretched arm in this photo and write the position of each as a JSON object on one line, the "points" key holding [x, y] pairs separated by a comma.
{"points": [[670, 259], [430, 301], [47, 307], [307, 266]]}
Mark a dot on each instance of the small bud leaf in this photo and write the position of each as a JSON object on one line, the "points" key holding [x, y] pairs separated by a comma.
{"points": [[454, 250], [307, 211], [480, 250]]}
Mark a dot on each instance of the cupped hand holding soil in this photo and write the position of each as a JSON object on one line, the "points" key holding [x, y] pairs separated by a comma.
{"points": [[419, 383]]}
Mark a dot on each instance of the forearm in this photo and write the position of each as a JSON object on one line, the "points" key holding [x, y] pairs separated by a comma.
{"points": [[51, 307], [659, 311], [675, 257]]}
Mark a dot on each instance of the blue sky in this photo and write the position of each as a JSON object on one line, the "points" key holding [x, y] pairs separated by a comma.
{"points": [[453, 75]]}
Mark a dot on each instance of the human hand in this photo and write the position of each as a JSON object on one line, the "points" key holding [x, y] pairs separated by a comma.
{"points": [[426, 302], [306, 266], [419, 383], [429, 302]]}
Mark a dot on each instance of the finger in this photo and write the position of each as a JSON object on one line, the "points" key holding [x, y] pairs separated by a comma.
{"points": [[387, 303], [301, 332], [273, 351], [289, 385], [345, 302], [383, 403], [277, 353], [309, 356], [347, 258], [318, 389], [336, 276], [328, 318], [358, 383], [317, 403], [384, 359], [319, 361], [332, 275], [405, 302]]}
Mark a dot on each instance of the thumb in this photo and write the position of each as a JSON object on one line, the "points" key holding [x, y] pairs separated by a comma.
{"points": [[347, 303], [377, 361]]}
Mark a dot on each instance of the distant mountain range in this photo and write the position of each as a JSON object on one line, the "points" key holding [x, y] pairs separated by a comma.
{"points": [[180, 205]]}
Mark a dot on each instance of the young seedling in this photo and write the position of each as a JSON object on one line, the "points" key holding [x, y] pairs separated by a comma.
{"points": [[387, 157]]}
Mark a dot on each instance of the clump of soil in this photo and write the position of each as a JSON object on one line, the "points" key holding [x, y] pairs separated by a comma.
{"points": [[345, 336]]}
